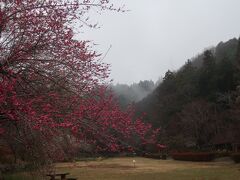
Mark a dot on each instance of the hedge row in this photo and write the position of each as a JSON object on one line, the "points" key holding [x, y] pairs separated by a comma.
{"points": [[236, 157], [193, 156], [220, 154], [156, 156]]}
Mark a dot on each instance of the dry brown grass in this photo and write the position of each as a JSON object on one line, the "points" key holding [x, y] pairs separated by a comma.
{"points": [[149, 169], [122, 168], [143, 164]]}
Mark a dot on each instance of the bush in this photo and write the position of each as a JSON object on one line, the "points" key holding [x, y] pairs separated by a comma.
{"points": [[236, 157], [156, 156], [222, 154], [193, 156]]}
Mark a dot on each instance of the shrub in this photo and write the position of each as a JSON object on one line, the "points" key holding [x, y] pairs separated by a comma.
{"points": [[156, 156], [193, 156], [236, 157], [222, 154]]}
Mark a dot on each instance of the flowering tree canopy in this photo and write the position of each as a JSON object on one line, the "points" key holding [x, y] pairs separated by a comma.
{"points": [[53, 84]]}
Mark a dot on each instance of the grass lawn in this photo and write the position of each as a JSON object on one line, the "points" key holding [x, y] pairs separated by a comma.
{"points": [[149, 169]]}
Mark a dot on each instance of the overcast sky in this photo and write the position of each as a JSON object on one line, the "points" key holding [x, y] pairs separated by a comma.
{"points": [[157, 35]]}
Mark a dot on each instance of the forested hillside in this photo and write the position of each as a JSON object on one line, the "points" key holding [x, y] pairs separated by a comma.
{"points": [[198, 105]]}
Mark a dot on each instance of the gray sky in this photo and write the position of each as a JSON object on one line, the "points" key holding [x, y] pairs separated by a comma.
{"points": [[157, 35]]}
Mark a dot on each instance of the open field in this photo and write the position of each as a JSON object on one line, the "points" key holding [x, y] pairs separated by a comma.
{"points": [[149, 169]]}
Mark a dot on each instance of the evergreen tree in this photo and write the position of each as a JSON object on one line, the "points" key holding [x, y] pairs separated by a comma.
{"points": [[206, 81], [238, 54]]}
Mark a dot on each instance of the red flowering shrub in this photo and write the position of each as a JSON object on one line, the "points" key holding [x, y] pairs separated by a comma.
{"points": [[193, 156]]}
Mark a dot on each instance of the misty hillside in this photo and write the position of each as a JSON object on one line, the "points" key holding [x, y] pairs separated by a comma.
{"points": [[133, 93], [197, 104], [222, 50]]}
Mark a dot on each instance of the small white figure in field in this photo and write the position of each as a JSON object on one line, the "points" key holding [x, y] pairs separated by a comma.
{"points": [[74, 163], [134, 163]]}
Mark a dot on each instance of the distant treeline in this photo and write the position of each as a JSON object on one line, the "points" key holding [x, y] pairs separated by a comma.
{"points": [[128, 94], [198, 105]]}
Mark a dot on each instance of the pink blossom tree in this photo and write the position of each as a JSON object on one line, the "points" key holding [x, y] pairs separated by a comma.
{"points": [[52, 85]]}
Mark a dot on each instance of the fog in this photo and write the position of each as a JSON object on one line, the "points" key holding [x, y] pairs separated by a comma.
{"points": [[157, 35]]}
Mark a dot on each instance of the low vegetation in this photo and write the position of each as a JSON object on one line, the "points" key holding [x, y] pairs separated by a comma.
{"points": [[236, 157], [193, 156]]}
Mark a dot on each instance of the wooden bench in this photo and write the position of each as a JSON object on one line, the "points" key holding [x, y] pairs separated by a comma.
{"points": [[62, 175]]}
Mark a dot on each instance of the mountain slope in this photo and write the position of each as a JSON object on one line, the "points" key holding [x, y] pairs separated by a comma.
{"points": [[198, 102]]}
